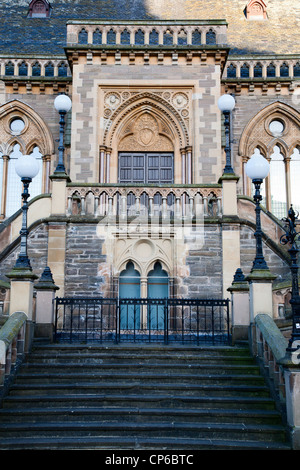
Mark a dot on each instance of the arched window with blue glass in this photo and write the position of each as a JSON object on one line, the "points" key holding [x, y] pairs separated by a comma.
{"points": [[158, 288], [130, 288], [14, 185]]}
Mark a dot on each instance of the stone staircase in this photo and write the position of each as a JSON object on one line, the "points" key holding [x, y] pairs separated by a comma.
{"points": [[140, 397]]}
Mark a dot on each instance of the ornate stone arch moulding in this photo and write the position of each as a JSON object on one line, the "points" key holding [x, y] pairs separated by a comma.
{"points": [[257, 132], [144, 253], [174, 121], [34, 133]]}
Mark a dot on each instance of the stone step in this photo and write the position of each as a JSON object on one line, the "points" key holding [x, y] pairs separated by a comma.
{"points": [[92, 413], [141, 348], [140, 397], [134, 443], [145, 400], [146, 377], [197, 390], [138, 367], [100, 358], [147, 429]]}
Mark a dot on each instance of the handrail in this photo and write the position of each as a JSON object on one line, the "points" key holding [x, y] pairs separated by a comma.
{"points": [[270, 347], [12, 346]]}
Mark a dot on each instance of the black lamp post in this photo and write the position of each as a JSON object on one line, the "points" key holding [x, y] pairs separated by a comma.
{"points": [[62, 104], [290, 238], [257, 168], [226, 104], [27, 168]]}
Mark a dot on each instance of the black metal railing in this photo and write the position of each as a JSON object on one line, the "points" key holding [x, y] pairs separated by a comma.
{"points": [[142, 320]]}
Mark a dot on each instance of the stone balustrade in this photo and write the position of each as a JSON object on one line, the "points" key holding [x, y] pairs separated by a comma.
{"points": [[141, 33], [271, 67], [174, 201], [270, 347], [12, 346]]}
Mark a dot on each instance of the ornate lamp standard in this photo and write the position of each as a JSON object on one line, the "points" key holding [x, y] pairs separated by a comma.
{"points": [[226, 104], [27, 168], [257, 168], [290, 238], [62, 104]]}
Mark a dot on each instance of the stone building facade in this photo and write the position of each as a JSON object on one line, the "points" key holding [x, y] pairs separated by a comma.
{"points": [[144, 141]]}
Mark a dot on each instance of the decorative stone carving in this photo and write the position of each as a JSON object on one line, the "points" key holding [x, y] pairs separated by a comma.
{"points": [[34, 133], [172, 104]]}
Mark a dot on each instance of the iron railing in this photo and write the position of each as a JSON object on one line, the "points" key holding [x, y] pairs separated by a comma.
{"points": [[142, 320]]}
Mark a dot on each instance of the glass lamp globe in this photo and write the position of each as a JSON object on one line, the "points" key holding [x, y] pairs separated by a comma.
{"points": [[27, 166], [226, 103], [62, 103], [257, 168]]}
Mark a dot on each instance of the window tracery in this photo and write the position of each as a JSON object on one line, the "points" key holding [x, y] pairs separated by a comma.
{"points": [[274, 133]]}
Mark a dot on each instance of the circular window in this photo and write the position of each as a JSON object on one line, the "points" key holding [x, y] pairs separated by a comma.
{"points": [[276, 127], [17, 125]]}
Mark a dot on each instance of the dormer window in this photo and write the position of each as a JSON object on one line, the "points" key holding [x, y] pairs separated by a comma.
{"points": [[39, 9], [256, 10]]}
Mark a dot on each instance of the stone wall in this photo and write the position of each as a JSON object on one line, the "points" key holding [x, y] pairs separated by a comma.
{"points": [[85, 261], [37, 252], [205, 265], [276, 265], [88, 118]]}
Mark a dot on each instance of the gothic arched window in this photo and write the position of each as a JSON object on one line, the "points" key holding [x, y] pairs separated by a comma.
{"points": [[49, 70], [277, 184], [245, 71], [271, 71], [196, 38], [153, 38], [256, 10], [111, 37], [97, 37], [139, 37], [39, 9], [258, 70], [14, 184], [83, 37], [62, 70], [284, 70], [182, 38], [9, 68], [23, 69], [36, 70], [125, 37], [231, 71], [297, 70], [211, 37], [168, 38], [294, 176]]}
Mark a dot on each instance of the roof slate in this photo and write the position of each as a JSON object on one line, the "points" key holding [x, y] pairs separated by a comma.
{"points": [[39, 36]]}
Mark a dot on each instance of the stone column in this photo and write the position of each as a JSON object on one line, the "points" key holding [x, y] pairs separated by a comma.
{"points": [[240, 306], [261, 295], [45, 293], [21, 297], [21, 291], [4, 185], [59, 194], [229, 194], [57, 252], [230, 231], [292, 392]]}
